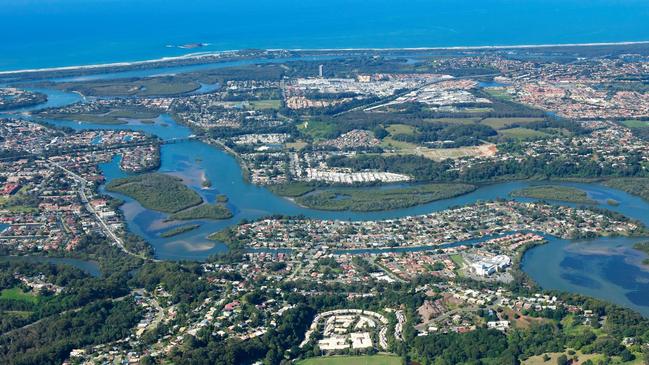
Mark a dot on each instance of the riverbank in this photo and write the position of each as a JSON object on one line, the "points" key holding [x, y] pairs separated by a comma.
{"points": [[635, 186]]}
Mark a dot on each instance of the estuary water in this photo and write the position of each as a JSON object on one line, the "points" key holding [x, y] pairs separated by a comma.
{"points": [[89, 267], [50, 33], [606, 268]]}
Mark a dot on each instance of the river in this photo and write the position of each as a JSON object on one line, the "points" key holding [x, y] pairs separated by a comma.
{"points": [[604, 268], [89, 267]]}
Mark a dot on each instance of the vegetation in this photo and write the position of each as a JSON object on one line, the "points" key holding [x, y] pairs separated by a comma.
{"points": [[292, 190], [521, 133], [157, 191], [633, 123], [634, 186], [265, 104], [18, 294], [142, 87], [366, 199], [112, 116], [203, 211], [206, 183], [353, 360], [51, 340], [555, 192], [179, 230], [544, 167], [504, 123], [644, 247]]}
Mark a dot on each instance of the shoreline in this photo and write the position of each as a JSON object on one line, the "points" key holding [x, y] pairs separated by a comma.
{"points": [[199, 55]]}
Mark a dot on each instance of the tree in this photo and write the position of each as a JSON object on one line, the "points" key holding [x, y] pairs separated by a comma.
{"points": [[546, 358], [562, 360]]}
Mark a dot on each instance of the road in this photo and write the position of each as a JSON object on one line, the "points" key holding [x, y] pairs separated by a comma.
{"points": [[84, 199], [391, 100]]}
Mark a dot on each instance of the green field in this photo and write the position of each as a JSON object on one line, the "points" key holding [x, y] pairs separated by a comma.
{"points": [[453, 120], [553, 192], [400, 129], [503, 123], [632, 123], [498, 93], [295, 146], [367, 200], [390, 143], [18, 295], [317, 129], [457, 260], [265, 104], [155, 191], [521, 133], [353, 360]]}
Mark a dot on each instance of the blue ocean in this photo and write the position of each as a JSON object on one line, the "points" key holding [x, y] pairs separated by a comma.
{"points": [[49, 33]]}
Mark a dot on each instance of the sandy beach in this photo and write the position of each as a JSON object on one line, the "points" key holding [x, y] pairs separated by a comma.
{"points": [[215, 54]]}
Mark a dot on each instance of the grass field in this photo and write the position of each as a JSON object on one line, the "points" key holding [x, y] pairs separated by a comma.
{"points": [[317, 129], [498, 93], [21, 209], [453, 120], [265, 104], [436, 154], [296, 146], [632, 123], [353, 360], [390, 143], [476, 110], [400, 129], [17, 294], [457, 260], [17, 203], [503, 123], [521, 133]]}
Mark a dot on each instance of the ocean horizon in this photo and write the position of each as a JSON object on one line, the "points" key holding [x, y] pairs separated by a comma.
{"points": [[63, 33]]}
